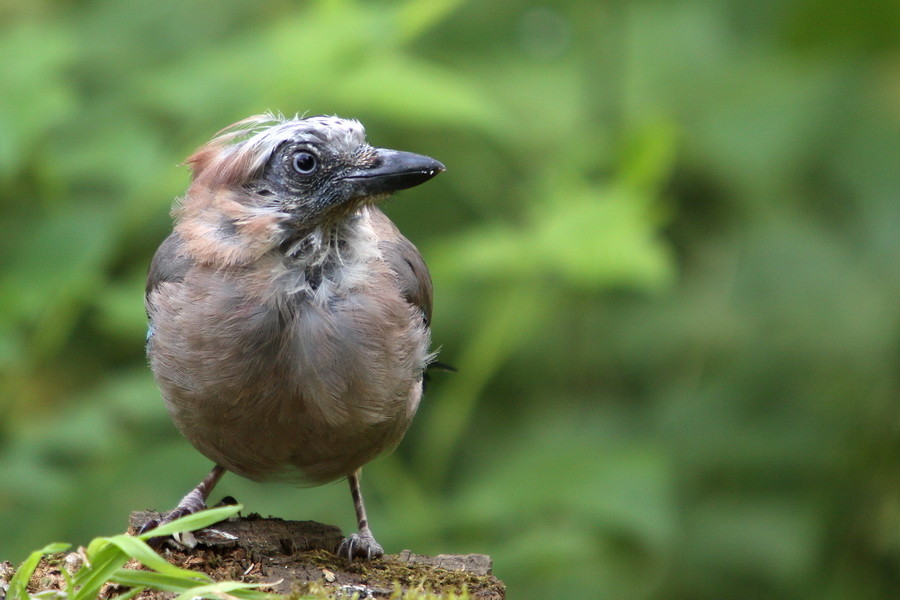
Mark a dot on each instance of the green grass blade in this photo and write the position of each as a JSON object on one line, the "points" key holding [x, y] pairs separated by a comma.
{"points": [[139, 550], [194, 522], [129, 594], [94, 548], [178, 585], [254, 595], [19, 581], [104, 563], [97, 552], [70, 582], [156, 581], [225, 588]]}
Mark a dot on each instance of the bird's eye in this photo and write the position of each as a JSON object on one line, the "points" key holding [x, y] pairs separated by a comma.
{"points": [[305, 163]]}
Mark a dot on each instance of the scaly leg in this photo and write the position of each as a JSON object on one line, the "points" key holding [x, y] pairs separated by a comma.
{"points": [[362, 544], [193, 502]]}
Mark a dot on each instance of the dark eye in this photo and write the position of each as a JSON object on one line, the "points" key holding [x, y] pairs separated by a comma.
{"points": [[305, 163]]}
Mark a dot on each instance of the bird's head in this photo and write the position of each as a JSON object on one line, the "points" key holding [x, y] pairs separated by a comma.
{"points": [[266, 178]]}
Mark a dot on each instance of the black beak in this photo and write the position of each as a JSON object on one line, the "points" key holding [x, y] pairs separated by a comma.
{"points": [[392, 170]]}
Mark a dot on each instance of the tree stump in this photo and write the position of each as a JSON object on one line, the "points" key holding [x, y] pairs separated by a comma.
{"points": [[298, 556]]}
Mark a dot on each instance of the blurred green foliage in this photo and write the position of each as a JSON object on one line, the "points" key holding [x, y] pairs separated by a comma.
{"points": [[666, 257]]}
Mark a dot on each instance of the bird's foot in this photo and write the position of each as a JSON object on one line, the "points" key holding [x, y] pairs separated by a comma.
{"points": [[193, 502], [176, 513], [190, 504], [360, 545], [227, 501]]}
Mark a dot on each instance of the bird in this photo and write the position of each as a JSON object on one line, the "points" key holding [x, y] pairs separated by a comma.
{"points": [[289, 319]]}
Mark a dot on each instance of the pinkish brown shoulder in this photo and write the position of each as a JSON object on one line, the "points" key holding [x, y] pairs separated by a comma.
{"points": [[405, 261], [169, 264]]}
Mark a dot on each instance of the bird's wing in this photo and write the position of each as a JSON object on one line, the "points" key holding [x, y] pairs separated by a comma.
{"points": [[404, 259], [169, 265]]}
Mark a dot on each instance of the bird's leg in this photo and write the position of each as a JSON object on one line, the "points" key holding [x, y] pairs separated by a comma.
{"points": [[362, 544], [193, 502]]}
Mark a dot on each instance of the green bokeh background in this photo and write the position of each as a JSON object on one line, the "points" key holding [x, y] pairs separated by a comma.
{"points": [[666, 257]]}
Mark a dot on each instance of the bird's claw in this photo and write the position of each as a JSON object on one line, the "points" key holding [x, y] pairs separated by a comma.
{"points": [[177, 513], [150, 524], [361, 546]]}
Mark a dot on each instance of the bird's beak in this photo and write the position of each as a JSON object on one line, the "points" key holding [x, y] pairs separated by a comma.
{"points": [[392, 170]]}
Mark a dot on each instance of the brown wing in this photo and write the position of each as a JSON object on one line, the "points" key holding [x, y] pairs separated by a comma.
{"points": [[404, 259], [169, 264]]}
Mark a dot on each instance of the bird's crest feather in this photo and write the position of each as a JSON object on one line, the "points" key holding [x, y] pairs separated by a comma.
{"points": [[238, 152]]}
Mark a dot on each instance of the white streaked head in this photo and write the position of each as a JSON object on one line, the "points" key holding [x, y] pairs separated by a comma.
{"points": [[268, 181], [239, 152]]}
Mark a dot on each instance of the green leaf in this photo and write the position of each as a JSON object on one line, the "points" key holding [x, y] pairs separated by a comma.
{"points": [[194, 522], [94, 548], [105, 559], [130, 594], [418, 16], [23, 574], [221, 588], [157, 581], [420, 93], [616, 242], [138, 549], [70, 582]]}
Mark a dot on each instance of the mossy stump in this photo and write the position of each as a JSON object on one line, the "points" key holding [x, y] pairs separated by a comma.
{"points": [[298, 557]]}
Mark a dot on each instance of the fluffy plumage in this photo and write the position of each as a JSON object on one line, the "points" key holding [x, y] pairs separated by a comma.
{"points": [[289, 316]]}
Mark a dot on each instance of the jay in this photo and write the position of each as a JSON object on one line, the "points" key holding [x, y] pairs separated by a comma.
{"points": [[289, 318]]}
